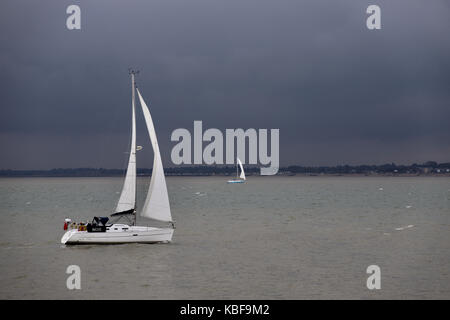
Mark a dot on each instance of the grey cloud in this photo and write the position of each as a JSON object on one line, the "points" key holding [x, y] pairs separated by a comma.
{"points": [[337, 91]]}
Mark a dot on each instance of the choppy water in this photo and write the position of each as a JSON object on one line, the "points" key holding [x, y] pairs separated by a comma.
{"points": [[273, 237]]}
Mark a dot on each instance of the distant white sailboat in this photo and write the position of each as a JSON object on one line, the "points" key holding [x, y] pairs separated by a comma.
{"points": [[156, 204], [239, 178]]}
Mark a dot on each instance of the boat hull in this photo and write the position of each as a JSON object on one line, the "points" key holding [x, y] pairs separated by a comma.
{"points": [[132, 235], [235, 181]]}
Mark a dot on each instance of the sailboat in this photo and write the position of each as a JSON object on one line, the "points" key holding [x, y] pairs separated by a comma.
{"points": [[239, 178], [156, 205]]}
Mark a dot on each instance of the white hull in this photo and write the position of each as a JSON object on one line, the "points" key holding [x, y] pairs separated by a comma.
{"points": [[123, 234], [235, 181]]}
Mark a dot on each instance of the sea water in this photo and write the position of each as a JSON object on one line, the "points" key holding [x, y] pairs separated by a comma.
{"points": [[269, 238]]}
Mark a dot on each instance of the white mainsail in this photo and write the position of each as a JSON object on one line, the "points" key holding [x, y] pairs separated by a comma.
{"points": [[242, 176], [156, 204], [127, 200]]}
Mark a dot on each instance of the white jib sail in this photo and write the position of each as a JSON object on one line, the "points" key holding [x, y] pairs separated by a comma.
{"points": [[156, 204], [242, 176], [127, 200]]}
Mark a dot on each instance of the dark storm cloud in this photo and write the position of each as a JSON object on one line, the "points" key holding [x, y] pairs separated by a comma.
{"points": [[338, 92]]}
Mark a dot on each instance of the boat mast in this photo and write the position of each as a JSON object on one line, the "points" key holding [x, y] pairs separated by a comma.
{"points": [[133, 103]]}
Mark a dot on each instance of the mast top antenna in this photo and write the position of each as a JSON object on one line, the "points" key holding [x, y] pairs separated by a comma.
{"points": [[133, 72]]}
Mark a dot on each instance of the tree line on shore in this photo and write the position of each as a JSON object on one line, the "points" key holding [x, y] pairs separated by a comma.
{"points": [[429, 167]]}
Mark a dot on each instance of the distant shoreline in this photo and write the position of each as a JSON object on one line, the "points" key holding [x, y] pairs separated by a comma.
{"points": [[356, 175], [429, 168]]}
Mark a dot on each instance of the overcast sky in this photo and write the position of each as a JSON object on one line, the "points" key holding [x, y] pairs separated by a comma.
{"points": [[338, 92]]}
